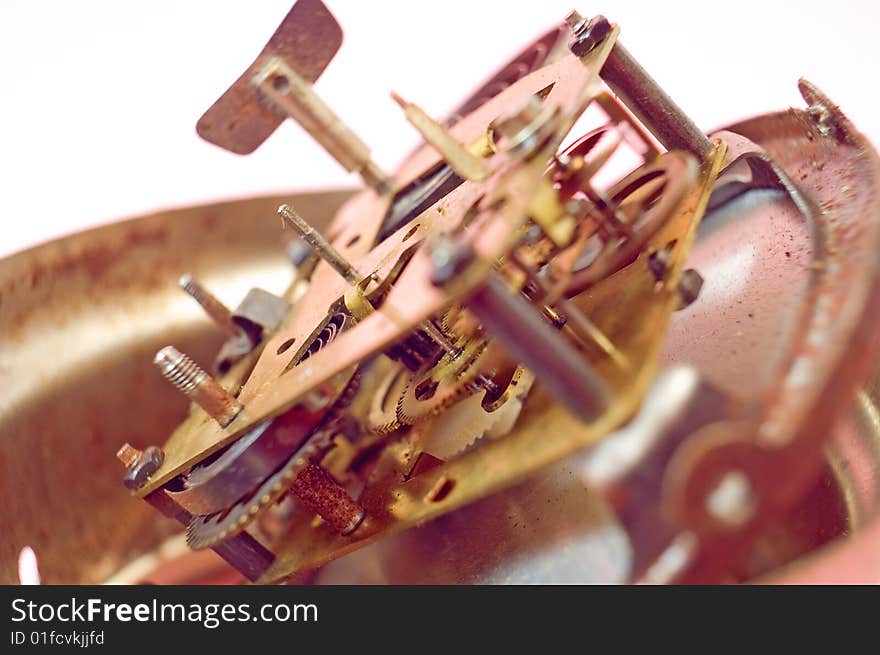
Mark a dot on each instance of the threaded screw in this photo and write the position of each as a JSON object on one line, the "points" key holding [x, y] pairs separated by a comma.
{"points": [[201, 388]]}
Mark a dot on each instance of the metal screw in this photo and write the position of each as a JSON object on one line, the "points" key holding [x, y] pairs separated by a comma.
{"points": [[575, 21], [200, 387], [587, 33], [689, 287], [139, 464]]}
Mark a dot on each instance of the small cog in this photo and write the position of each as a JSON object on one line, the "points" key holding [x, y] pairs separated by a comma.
{"points": [[208, 531], [434, 388]]}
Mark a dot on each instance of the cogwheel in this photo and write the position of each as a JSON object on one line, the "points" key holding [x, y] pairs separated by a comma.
{"points": [[434, 388], [464, 423], [454, 430], [209, 530], [459, 323], [381, 415]]}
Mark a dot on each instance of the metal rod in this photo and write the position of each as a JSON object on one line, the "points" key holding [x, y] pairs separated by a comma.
{"points": [[440, 338], [319, 244], [330, 255], [528, 338], [460, 159], [318, 491], [572, 316], [293, 95], [585, 329], [201, 388], [216, 310], [652, 105]]}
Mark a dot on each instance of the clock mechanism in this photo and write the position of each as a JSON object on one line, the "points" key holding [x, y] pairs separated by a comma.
{"points": [[502, 302]]}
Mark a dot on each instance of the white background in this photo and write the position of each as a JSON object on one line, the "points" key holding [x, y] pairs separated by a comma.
{"points": [[100, 98]]}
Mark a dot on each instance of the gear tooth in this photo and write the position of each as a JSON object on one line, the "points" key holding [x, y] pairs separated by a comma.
{"points": [[453, 378], [203, 532], [386, 428], [382, 419]]}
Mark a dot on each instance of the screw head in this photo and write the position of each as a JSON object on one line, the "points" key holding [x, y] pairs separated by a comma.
{"points": [[146, 463], [689, 287], [587, 34], [449, 259]]}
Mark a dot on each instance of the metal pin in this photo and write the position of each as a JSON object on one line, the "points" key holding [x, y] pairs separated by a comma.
{"points": [[329, 254], [442, 340], [319, 244], [218, 312], [201, 388], [557, 319], [293, 95], [459, 158], [571, 316]]}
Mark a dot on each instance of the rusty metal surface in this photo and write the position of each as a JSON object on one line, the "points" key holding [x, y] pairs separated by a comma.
{"points": [[835, 342], [307, 39], [103, 302]]}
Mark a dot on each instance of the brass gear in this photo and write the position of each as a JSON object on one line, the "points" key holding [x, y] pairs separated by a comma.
{"points": [[469, 420], [432, 389], [381, 415], [206, 531], [459, 323]]}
